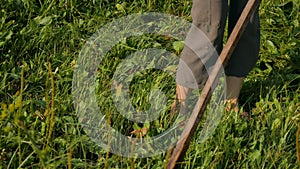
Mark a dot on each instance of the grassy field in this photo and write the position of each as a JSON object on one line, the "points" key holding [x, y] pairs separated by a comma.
{"points": [[41, 40]]}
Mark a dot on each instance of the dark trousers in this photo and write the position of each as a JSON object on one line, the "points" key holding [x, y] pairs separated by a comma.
{"points": [[209, 17]]}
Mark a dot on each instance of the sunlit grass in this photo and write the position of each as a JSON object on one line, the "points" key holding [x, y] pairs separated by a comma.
{"points": [[38, 124]]}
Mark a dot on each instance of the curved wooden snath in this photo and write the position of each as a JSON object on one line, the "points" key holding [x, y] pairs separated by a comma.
{"points": [[183, 142]]}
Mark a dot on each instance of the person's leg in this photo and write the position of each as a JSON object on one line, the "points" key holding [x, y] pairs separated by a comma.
{"points": [[181, 99], [233, 88], [209, 19], [245, 55]]}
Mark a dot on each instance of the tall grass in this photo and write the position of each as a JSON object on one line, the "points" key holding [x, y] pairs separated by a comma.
{"points": [[38, 124]]}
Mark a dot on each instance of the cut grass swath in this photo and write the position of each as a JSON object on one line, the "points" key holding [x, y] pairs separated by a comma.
{"points": [[191, 126]]}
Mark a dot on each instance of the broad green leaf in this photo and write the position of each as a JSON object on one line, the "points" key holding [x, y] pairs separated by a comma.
{"points": [[120, 7], [270, 45], [9, 35], [43, 21], [178, 46]]}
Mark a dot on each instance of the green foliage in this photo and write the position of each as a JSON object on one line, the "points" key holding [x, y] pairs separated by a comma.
{"points": [[36, 33]]}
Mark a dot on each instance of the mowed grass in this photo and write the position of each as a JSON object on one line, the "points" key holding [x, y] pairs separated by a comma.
{"points": [[39, 46]]}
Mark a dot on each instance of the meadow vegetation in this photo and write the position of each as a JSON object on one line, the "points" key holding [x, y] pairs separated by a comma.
{"points": [[41, 40]]}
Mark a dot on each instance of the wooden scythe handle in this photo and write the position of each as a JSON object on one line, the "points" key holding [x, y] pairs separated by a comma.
{"points": [[184, 140]]}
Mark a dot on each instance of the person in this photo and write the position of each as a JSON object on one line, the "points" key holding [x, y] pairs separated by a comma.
{"points": [[210, 17]]}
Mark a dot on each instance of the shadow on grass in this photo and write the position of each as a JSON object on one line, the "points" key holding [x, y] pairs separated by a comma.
{"points": [[257, 87]]}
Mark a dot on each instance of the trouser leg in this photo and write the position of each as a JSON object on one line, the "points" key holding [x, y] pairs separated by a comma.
{"points": [[246, 52], [209, 16]]}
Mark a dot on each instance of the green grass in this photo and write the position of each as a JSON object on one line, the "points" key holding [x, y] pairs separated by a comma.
{"points": [[38, 124]]}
